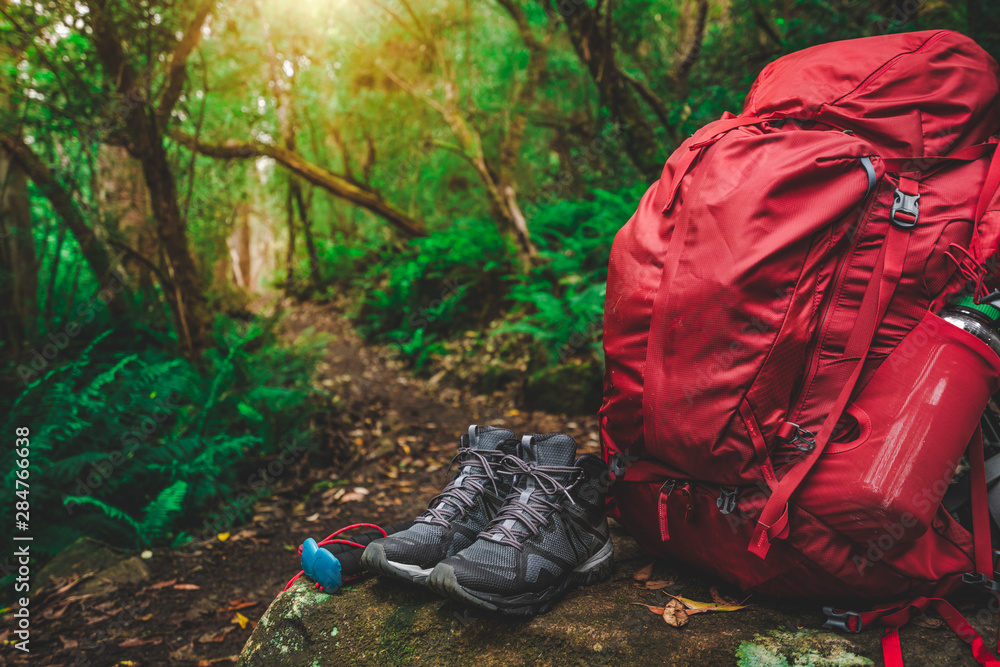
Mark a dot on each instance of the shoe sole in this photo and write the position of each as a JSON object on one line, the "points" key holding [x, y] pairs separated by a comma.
{"points": [[594, 570], [374, 559]]}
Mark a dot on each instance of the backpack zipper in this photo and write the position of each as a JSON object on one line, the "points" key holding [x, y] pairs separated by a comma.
{"points": [[837, 281]]}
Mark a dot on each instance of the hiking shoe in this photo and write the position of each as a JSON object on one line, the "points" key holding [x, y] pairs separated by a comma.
{"points": [[455, 516], [550, 535]]}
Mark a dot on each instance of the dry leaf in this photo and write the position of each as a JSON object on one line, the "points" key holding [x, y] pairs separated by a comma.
{"points": [[643, 574], [241, 620], [656, 610], [69, 643], [53, 614], [675, 614], [719, 598], [223, 537], [73, 582], [657, 585], [186, 587], [352, 497], [695, 607], [163, 584], [926, 621], [236, 605], [135, 641]]}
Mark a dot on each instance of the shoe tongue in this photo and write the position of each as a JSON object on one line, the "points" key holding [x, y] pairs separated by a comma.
{"points": [[486, 438], [489, 437], [554, 449]]}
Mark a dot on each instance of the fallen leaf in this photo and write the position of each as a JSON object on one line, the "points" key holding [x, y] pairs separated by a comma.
{"points": [[313, 517], [644, 574], [184, 653], [163, 584], [350, 497], [241, 620], [53, 614], [657, 585], [135, 641], [186, 587], [236, 605], [146, 555], [207, 638], [223, 537], [719, 599], [69, 643], [675, 614], [926, 621], [656, 610], [695, 607], [71, 584]]}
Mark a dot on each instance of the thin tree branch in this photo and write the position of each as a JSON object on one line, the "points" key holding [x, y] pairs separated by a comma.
{"points": [[333, 183], [177, 69]]}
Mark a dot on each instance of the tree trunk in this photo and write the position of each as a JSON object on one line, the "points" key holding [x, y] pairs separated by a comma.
{"points": [[18, 263], [94, 253], [591, 36], [290, 255], [145, 133], [307, 233]]}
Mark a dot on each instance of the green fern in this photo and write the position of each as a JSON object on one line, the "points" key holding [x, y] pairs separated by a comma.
{"points": [[157, 514], [109, 511]]}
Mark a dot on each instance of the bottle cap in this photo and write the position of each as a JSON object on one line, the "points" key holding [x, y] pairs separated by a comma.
{"points": [[989, 311]]}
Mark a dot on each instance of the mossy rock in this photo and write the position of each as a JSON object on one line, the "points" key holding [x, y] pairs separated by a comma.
{"points": [[381, 622], [803, 648]]}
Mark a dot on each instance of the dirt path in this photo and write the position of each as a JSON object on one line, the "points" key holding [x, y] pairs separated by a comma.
{"points": [[384, 448]]}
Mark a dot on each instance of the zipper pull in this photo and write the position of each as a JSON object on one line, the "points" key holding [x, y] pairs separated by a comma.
{"points": [[726, 502], [662, 507], [689, 510]]}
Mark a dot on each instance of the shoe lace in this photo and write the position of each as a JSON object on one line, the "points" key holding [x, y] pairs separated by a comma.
{"points": [[332, 539], [460, 494], [532, 512]]}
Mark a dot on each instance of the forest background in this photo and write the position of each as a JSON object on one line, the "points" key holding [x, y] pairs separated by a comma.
{"points": [[175, 176]]}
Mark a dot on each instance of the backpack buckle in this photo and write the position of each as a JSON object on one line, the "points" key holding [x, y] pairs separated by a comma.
{"points": [[979, 579], [616, 466], [726, 502], [803, 440], [841, 620], [905, 209]]}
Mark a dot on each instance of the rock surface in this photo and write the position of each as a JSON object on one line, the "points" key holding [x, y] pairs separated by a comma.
{"points": [[380, 622]]}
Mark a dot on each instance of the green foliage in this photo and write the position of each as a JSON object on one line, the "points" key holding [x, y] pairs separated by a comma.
{"points": [[130, 445], [448, 282], [562, 298]]}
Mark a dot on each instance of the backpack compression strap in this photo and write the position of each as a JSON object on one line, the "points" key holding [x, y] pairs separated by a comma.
{"points": [[896, 616], [773, 521]]}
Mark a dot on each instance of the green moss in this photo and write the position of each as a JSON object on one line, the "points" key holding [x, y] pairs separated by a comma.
{"points": [[395, 641], [805, 648]]}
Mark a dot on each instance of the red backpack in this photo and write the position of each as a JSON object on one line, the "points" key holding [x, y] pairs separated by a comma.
{"points": [[782, 404]]}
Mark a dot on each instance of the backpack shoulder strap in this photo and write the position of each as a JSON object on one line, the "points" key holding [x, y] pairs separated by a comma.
{"points": [[773, 521]]}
